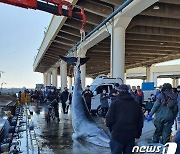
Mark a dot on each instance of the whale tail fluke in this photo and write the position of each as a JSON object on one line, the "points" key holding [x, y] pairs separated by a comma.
{"points": [[74, 60]]}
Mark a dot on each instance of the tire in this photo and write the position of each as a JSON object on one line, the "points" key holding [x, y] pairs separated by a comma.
{"points": [[99, 110]]}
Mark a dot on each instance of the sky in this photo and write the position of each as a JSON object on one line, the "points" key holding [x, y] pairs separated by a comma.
{"points": [[21, 34]]}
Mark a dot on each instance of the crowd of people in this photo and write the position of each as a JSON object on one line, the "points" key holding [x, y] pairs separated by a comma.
{"points": [[123, 116]]}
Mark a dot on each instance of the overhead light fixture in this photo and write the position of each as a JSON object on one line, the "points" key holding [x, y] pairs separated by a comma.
{"points": [[156, 7], [161, 43]]}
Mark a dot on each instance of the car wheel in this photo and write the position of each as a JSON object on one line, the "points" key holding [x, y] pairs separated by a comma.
{"points": [[99, 110]]}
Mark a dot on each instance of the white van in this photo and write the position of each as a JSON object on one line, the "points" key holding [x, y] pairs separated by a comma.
{"points": [[97, 86]]}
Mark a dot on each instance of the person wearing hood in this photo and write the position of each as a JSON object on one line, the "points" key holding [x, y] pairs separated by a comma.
{"points": [[165, 110], [126, 121]]}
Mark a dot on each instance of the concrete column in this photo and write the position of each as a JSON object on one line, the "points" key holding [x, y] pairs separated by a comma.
{"points": [[175, 82], [63, 74], [54, 77], [118, 52], [83, 75], [82, 53], [69, 82], [149, 74], [45, 79], [48, 78]]}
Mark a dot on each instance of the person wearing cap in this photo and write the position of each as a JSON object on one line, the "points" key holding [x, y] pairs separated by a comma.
{"points": [[126, 121], [87, 94], [114, 92], [165, 110]]}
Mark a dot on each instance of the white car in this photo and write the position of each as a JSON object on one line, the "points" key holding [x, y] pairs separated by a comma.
{"points": [[97, 86]]}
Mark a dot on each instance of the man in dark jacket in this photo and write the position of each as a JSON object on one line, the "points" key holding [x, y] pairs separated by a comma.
{"points": [[114, 92], [53, 97], [166, 110], [87, 94], [126, 120], [65, 96], [134, 94]]}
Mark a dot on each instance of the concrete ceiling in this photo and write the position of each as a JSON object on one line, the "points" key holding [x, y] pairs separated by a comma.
{"points": [[152, 36]]}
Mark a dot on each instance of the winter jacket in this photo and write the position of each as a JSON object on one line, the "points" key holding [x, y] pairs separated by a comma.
{"points": [[112, 92], [87, 94], [165, 106], [104, 100], [64, 97], [135, 95], [178, 98], [52, 95], [125, 118]]}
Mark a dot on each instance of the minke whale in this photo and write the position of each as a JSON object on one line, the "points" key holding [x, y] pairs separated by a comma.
{"points": [[84, 126]]}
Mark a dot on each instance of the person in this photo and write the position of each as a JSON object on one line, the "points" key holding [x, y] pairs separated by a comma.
{"points": [[114, 92], [158, 91], [126, 120], [165, 110], [149, 105], [87, 94], [178, 99], [2, 112], [176, 139], [65, 96], [134, 94], [140, 95], [19, 96], [104, 103], [54, 99]]}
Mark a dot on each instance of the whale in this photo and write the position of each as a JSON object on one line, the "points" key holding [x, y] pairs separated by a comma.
{"points": [[84, 126]]}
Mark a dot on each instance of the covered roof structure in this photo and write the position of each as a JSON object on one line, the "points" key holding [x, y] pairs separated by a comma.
{"points": [[152, 36]]}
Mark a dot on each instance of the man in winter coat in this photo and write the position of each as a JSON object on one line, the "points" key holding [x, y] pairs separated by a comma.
{"points": [[166, 110], [104, 103], [134, 94], [65, 96], [126, 120], [87, 94], [114, 92], [53, 97]]}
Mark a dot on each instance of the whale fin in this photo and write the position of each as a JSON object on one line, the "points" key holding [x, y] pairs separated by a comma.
{"points": [[73, 60]]}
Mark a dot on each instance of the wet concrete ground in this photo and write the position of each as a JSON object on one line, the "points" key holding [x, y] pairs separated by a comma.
{"points": [[55, 138]]}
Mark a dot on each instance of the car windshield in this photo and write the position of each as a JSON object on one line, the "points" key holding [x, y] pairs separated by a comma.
{"points": [[93, 87]]}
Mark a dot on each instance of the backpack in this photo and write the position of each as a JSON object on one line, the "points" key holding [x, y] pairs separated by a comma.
{"points": [[168, 101]]}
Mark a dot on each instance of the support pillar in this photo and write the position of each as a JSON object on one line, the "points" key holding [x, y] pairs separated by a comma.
{"points": [[83, 75], [175, 82], [82, 53], [149, 74], [54, 77], [63, 74], [69, 82], [45, 79], [48, 78], [118, 52]]}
